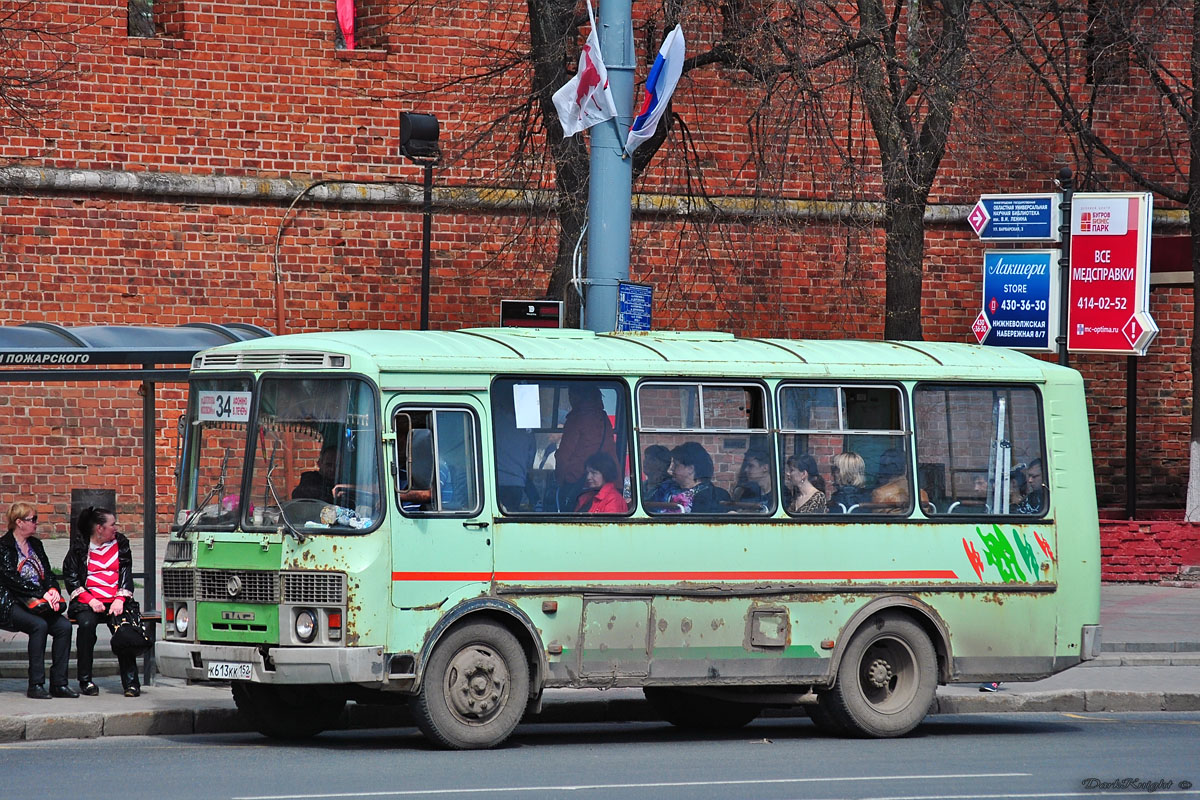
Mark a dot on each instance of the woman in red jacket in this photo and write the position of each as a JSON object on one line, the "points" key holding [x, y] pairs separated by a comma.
{"points": [[600, 493]]}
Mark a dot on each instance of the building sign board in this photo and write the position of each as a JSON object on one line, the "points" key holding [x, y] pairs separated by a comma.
{"points": [[531, 313], [1020, 300], [635, 302], [1110, 274], [1017, 218]]}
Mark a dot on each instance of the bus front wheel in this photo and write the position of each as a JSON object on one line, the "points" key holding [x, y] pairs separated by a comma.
{"points": [[475, 689], [886, 681], [287, 712]]}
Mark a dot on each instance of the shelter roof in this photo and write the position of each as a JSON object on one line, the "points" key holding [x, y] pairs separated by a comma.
{"points": [[43, 344]]}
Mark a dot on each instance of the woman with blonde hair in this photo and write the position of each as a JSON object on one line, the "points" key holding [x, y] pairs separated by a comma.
{"points": [[30, 602], [849, 481]]}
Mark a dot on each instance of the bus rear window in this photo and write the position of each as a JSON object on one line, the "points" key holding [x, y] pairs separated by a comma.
{"points": [[981, 450]]}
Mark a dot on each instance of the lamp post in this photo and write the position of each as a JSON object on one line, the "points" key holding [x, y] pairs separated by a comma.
{"points": [[419, 143]]}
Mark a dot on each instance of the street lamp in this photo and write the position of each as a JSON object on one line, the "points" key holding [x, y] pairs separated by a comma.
{"points": [[419, 143]]}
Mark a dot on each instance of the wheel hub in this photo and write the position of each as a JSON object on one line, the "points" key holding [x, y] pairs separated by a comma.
{"points": [[879, 674], [476, 683]]}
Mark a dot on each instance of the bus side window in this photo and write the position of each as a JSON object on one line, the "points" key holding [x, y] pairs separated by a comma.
{"points": [[851, 444], [437, 457], [562, 445], [980, 449], [714, 439]]}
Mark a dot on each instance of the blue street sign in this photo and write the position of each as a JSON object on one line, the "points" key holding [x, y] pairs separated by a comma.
{"points": [[1017, 218], [634, 304], [1020, 299]]}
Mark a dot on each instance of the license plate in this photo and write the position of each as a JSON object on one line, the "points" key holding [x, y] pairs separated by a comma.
{"points": [[230, 671]]}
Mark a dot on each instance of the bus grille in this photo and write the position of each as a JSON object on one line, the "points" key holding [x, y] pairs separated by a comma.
{"points": [[178, 551], [178, 584], [241, 586], [317, 588]]}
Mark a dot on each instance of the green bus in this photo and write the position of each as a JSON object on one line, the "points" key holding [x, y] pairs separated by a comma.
{"points": [[462, 519]]}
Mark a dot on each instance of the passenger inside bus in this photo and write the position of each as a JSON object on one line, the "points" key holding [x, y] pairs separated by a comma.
{"points": [[586, 430], [891, 493], [848, 471], [755, 489], [600, 494], [805, 484], [656, 463], [692, 470], [1034, 499], [515, 451]]}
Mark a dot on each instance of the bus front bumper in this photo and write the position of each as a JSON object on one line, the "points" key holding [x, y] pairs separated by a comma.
{"points": [[320, 665]]}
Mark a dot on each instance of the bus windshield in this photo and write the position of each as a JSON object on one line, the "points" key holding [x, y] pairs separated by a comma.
{"points": [[211, 479], [315, 460]]}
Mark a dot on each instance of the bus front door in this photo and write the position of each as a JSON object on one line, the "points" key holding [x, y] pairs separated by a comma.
{"points": [[441, 545]]}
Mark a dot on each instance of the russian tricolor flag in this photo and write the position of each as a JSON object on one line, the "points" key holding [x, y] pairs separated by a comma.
{"points": [[660, 84]]}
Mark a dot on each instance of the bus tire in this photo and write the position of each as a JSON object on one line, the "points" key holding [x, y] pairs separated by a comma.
{"points": [[287, 712], [475, 689], [886, 680], [693, 711], [825, 717]]}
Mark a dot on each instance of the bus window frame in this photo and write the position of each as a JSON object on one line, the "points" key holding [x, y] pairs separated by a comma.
{"points": [[767, 430], [535, 378], [247, 450], [477, 458], [1047, 468], [907, 434], [379, 463]]}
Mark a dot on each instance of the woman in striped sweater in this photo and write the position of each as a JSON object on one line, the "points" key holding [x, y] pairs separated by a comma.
{"points": [[98, 572]]}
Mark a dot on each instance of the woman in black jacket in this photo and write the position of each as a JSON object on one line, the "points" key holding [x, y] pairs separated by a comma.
{"points": [[30, 602], [98, 571]]}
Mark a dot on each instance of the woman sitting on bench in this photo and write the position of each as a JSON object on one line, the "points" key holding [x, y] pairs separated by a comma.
{"points": [[98, 572], [30, 602]]}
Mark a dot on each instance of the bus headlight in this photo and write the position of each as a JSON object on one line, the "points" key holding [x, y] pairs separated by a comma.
{"points": [[181, 620], [306, 625]]}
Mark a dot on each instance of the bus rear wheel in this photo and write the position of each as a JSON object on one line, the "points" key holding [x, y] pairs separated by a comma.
{"points": [[476, 687], [886, 681], [287, 712], [694, 711]]}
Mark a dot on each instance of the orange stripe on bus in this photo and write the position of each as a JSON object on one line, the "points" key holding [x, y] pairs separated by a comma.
{"points": [[664, 577]]}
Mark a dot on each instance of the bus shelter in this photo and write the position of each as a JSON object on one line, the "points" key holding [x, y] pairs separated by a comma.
{"points": [[39, 352]]}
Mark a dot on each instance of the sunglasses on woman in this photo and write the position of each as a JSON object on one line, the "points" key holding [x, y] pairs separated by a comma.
{"points": [[31, 519]]}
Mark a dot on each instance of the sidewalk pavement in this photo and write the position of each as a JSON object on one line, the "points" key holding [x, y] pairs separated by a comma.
{"points": [[1151, 662]]}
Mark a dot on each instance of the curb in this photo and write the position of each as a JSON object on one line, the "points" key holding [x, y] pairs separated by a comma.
{"points": [[175, 722]]}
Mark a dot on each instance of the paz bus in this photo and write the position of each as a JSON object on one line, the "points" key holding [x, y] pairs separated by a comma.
{"points": [[463, 519]]}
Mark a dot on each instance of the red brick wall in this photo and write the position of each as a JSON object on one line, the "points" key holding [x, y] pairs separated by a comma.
{"points": [[1143, 550]]}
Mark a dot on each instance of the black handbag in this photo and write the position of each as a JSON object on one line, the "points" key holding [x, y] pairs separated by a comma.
{"points": [[129, 632]]}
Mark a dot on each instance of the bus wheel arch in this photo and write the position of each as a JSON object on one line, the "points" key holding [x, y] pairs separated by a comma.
{"points": [[885, 674], [917, 611], [480, 670]]}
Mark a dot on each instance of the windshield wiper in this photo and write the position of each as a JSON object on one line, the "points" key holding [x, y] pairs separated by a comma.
{"points": [[215, 491], [285, 524]]}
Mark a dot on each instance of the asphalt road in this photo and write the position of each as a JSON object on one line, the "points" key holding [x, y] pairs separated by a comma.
{"points": [[965, 757]]}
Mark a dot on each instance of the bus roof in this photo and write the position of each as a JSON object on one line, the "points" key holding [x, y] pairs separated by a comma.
{"points": [[499, 350]]}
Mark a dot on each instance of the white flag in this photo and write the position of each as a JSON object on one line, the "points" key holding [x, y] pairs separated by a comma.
{"points": [[586, 100], [660, 84]]}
